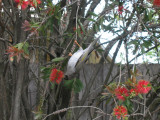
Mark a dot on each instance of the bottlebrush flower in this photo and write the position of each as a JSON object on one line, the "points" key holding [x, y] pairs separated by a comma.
{"points": [[22, 3], [13, 51], [121, 93], [17, 1], [120, 9], [120, 111], [133, 92], [34, 3], [156, 3], [28, 27], [74, 29], [56, 76], [143, 86]]}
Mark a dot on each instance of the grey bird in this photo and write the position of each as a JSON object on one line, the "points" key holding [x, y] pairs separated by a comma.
{"points": [[78, 58]]}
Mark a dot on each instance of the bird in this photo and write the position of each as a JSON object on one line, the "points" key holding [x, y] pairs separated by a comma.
{"points": [[79, 57]]}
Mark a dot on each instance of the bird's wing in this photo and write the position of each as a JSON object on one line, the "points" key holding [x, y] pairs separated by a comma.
{"points": [[86, 54], [83, 58], [73, 61]]}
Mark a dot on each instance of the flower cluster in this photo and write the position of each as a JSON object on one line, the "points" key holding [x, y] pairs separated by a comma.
{"points": [[133, 92], [25, 3], [28, 27], [121, 93], [142, 87], [120, 111], [156, 3], [13, 51], [56, 76], [120, 9], [79, 28]]}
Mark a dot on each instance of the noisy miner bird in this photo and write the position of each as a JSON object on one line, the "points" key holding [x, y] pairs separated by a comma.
{"points": [[79, 57]]}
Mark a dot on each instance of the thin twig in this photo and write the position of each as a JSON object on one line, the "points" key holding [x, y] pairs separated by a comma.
{"points": [[73, 107]]}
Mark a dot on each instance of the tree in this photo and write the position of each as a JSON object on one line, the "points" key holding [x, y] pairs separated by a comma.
{"points": [[36, 37]]}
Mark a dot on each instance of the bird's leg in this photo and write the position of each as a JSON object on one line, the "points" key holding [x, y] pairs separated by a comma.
{"points": [[70, 54], [77, 43]]}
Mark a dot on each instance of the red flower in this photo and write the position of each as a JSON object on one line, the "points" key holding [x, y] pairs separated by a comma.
{"points": [[121, 93], [24, 4], [26, 26], [13, 51], [120, 111], [143, 86], [56, 76], [74, 29], [34, 4], [17, 1], [39, 1], [156, 3], [133, 92], [120, 9]]}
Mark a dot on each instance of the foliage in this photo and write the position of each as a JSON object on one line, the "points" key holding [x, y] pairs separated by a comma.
{"points": [[36, 37]]}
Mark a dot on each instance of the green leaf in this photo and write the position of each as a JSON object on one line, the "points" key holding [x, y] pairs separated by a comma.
{"points": [[19, 45], [81, 26], [146, 44], [100, 50], [92, 13], [108, 100], [96, 27], [140, 96], [77, 85], [38, 115], [58, 59], [52, 85], [25, 48], [90, 19], [74, 84], [79, 32], [135, 42], [129, 105], [45, 73], [69, 84]]}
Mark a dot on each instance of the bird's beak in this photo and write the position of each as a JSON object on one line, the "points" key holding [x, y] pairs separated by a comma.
{"points": [[77, 43], [70, 54]]}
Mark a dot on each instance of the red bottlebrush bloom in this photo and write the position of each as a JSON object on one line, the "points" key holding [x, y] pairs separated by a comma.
{"points": [[74, 29], [34, 4], [56, 76], [17, 1], [26, 26], [120, 9], [120, 111], [143, 86], [156, 3], [38, 1], [13, 51], [133, 92], [121, 93], [24, 4]]}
